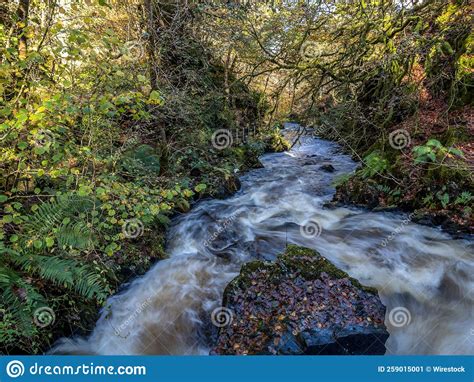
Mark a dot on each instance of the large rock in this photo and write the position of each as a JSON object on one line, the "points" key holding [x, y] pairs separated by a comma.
{"points": [[301, 304]]}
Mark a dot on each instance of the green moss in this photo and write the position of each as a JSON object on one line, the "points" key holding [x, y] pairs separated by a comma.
{"points": [[276, 143], [304, 261], [310, 264]]}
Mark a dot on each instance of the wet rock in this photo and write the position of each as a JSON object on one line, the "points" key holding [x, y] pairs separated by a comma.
{"points": [[328, 168], [352, 340], [386, 209], [230, 186], [301, 304]]}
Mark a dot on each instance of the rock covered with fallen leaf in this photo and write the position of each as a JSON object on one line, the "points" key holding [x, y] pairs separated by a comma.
{"points": [[300, 304]]}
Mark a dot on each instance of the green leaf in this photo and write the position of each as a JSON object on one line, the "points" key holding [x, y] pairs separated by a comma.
{"points": [[155, 98], [457, 152], [7, 218], [39, 150], [432, 156], [3, 198], [200, 187], [84, 190], [434, 143], [22, 145]]}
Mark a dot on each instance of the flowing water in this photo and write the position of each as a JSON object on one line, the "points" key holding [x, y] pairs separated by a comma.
{"points": [[425, 278]]}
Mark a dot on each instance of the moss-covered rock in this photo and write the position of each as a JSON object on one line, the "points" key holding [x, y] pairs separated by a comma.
{"points": [[301, 304]]}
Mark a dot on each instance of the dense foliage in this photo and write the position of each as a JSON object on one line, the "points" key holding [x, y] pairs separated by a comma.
{"points": [[105, 132], [108, 109], [392, 81]]}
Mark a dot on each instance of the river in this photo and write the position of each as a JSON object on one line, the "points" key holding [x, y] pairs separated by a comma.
{"points": [[425, 277]]}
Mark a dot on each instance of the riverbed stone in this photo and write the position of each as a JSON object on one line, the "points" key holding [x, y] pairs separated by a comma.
{"points": [[328, 168], [300, 304]]}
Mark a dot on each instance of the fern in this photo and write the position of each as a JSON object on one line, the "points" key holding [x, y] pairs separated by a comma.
{"points": [[75, 235], [464, 199], [55, 218], [141, 161], [19, 300], [63, 272], [20, 297]]}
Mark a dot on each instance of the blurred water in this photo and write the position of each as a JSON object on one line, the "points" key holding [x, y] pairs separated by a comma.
{"points": [[424, 277]]}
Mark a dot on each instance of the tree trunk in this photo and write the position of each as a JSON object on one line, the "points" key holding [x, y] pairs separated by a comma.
{"points": [[22, 14]]}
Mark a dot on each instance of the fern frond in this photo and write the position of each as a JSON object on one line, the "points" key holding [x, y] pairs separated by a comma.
{"points": [[51, 214], [56, 218], [64, 272], [75, 235]]}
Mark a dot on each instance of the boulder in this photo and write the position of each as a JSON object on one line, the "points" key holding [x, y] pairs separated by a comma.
{"points": [[300, 304]]}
